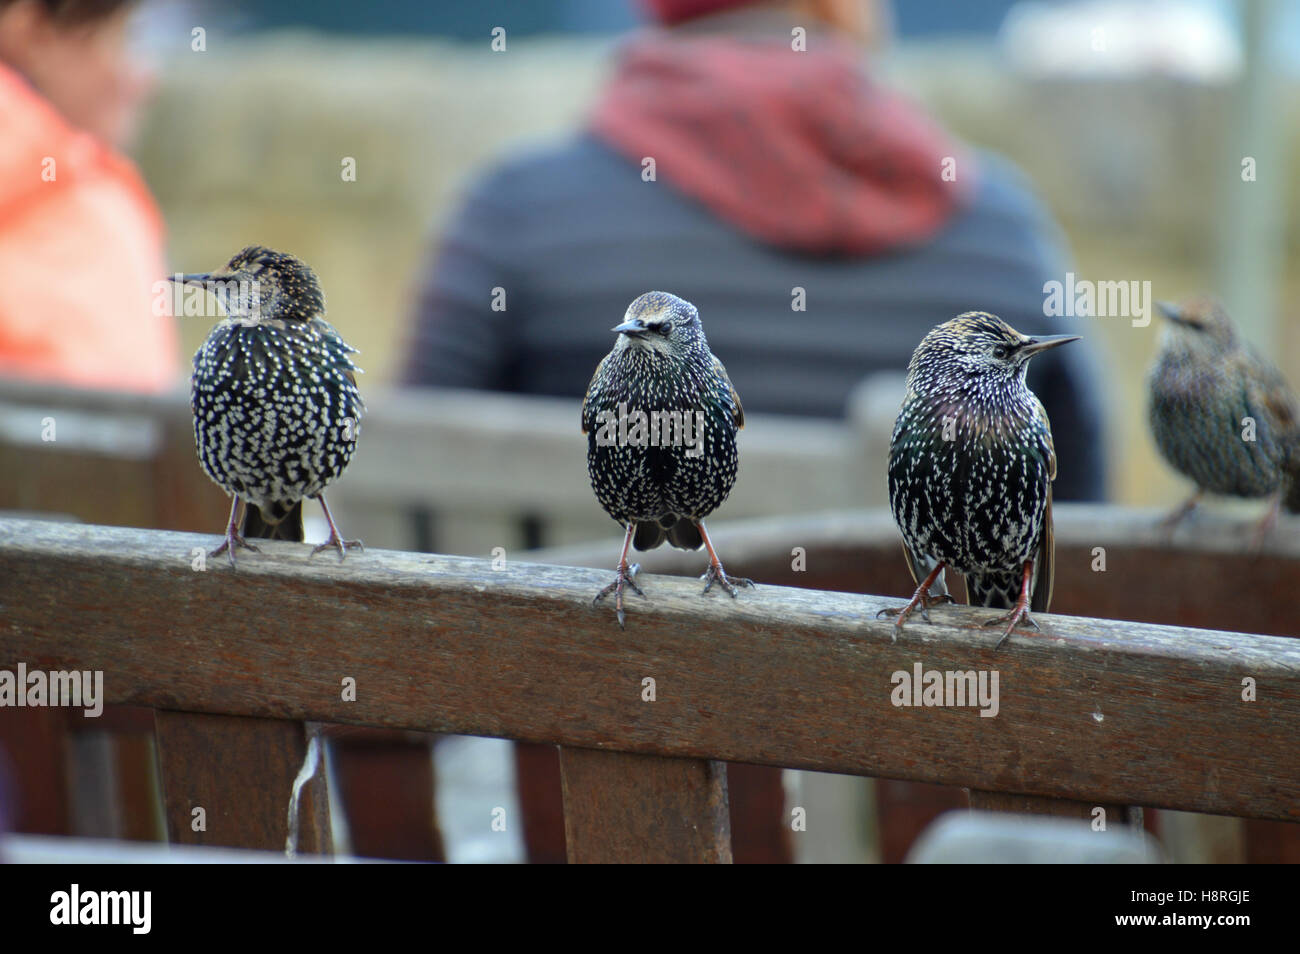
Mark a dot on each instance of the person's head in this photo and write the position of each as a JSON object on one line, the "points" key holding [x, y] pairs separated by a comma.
{"points": [[76, 54], [865, 21]]}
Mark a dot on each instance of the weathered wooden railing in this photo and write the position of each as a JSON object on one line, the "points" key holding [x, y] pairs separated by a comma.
{"points": [[237, 663], [1112, 562]]}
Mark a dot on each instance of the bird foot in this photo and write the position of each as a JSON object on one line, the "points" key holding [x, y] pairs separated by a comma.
{"points": [[1013, 619], [624, 578], [922, 603], [918, 601], [1265, 527], [342, 545], [230, 544], [716, 574], [1172, 520]]}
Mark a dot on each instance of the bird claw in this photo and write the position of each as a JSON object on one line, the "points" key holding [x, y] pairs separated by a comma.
{"points": [[716, 574], [336, 541], [1171, 521], [934, 601], [624, 578], [924, 604], [1017, 616], [1264, 529], [898, 623], [230, 544]]}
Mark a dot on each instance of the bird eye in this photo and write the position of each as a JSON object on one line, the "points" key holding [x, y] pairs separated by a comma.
{"points": [[1001, 352]]}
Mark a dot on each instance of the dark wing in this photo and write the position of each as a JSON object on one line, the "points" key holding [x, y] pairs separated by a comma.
{"points": [[588, 419], [1274, 395], [1041, 599], [738, 413], [343, 352], [1268, 392]]}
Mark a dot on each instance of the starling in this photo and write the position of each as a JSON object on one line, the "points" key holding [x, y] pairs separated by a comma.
{"points": [[971, 465], [274, 395], [661, 418], [1221, 413]]}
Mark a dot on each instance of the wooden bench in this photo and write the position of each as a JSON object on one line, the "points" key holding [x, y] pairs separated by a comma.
{"points": [[240, 665], [440, 470]]}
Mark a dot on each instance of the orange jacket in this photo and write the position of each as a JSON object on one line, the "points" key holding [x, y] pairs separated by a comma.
{"points": [[80, 251]]}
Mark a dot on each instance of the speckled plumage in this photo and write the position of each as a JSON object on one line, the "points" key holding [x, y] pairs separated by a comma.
{"points": [[971, 465], [276, 407], [1205, 382], [661, 363]]}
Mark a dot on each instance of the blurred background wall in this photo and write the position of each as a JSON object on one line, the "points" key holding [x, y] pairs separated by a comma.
{"points": [[1117, 111]]}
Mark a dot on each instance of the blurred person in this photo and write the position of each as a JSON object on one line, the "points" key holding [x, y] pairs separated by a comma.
{"points": [[775, 170], [81, 239]]}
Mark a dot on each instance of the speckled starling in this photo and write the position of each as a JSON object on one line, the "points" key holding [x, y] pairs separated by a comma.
{"points": [[274, 394], [971, 465], [661, 418], [1222, 414]]}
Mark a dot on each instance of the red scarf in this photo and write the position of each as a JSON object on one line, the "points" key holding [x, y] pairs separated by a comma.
{"points": [[798, 149]]}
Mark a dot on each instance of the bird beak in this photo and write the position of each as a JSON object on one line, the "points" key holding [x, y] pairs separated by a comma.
{"points": [[1171, 311], [633, 326], [1036, 345], [197, 278]]}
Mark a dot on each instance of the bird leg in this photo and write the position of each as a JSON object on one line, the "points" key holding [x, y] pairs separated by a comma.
{"points": [[1020, 613], [233, 539], [336, 539], [921, 598], [715, 573], [624, 578], [1266, 525], [1180, 513]]}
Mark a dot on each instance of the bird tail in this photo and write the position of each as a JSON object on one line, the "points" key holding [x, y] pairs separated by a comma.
{"points": [[648, 535], [1001, 590], [994, 590], [681, 532], [685, 535], [275, 523]]}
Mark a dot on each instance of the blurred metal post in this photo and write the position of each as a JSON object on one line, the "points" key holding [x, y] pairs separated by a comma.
{"points": [[1252, 228]]}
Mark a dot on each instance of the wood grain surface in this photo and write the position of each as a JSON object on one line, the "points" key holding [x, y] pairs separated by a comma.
{"points": [[622, 808], [1089, 709]]}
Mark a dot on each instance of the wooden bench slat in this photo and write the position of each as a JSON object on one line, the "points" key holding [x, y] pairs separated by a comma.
{"points": [[241, 772], [621, 808]]}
